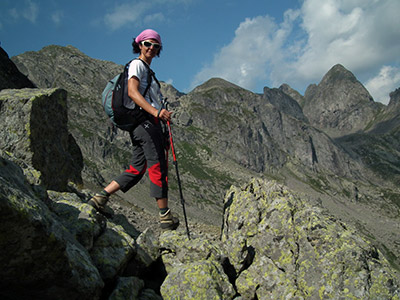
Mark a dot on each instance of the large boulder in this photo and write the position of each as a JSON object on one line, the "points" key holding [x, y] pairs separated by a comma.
{"points": [[273, 245], [53, 245], [282, 248], [195, 268], [35, 133], [39, 257], [10, 76]]}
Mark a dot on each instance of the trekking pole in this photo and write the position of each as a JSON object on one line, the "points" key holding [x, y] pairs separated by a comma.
{"points": [[178, 178]]}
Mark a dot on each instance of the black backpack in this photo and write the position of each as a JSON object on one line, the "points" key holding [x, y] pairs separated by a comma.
{"points": [[113, 101]]}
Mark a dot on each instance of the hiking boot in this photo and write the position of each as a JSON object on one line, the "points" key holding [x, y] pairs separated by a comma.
{"points": [[99, 201], [168, 221]]}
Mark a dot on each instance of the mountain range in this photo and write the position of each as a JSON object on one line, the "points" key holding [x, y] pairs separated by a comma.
{"points": [[334, 146]]}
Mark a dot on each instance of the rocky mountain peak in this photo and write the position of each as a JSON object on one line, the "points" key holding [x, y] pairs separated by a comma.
{"points": [[66, 67], [338, 73], [215, 83], [339, 104]]}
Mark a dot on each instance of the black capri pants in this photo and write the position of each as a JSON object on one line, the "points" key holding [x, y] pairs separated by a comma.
{"points": [[149, 151]]}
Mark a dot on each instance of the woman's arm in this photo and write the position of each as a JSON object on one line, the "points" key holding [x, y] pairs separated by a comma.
{"points": [[134, 94]]}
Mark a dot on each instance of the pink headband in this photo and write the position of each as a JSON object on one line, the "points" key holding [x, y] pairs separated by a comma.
{"points": [[147, 35]]}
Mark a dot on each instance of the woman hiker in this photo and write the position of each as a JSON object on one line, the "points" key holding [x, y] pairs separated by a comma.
{"points": [[149, 141]]}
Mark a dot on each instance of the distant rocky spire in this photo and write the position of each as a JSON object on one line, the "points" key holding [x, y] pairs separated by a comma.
{"points": [[394, 103], [339, 104]]}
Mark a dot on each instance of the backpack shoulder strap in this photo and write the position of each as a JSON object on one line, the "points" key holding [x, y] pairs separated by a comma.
{"points": [[150, 76]]}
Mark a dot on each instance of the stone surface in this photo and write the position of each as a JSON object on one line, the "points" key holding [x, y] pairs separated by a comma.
{"points": [[194, 269], [284, 102], [283, 248], [35, 132], [10, 76], [39, 257], [339, 104]]}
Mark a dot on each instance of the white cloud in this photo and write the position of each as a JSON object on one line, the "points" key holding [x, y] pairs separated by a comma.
{"points": [[56, 17], [157, 17], [362, 35], [139, 12], [31, 11], [246, 58], [125, 14], [386, 81], [13, 13]]}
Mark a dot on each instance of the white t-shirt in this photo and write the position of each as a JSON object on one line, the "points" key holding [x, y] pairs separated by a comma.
{"points": [[153, 95]]}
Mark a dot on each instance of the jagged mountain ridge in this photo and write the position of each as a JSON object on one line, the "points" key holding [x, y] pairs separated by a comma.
{"points": [[379, 146], [255, 133], [65, 67], [226, 135]]}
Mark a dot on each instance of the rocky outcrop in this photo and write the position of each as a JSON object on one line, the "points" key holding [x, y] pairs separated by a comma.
{"points": [[285, 103], [55, 246], [282, 248], [273, 246], [339, 104], [66, 67], [34, 131], [292, 93], [394, 103], [40, 259], [250, 131], [10, 76]]}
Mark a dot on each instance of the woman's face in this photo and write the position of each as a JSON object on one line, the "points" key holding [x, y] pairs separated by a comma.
{"points": [[149, 48]]}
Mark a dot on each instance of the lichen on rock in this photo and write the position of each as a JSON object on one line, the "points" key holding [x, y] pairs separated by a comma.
{"points": [[35, 131], [297, 250]]}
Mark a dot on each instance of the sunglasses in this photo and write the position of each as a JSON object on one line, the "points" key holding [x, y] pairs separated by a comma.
{"points": [[149, 44]]}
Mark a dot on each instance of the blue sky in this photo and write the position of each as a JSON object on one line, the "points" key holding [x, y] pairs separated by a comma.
{"points": [[251, 43]]}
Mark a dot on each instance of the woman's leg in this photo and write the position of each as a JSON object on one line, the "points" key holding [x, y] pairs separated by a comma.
{"points": [[124, 181], [154, 151], [112, 187]]}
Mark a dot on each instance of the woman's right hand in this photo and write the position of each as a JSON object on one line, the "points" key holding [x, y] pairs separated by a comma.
{"points": [[165, 115]]}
